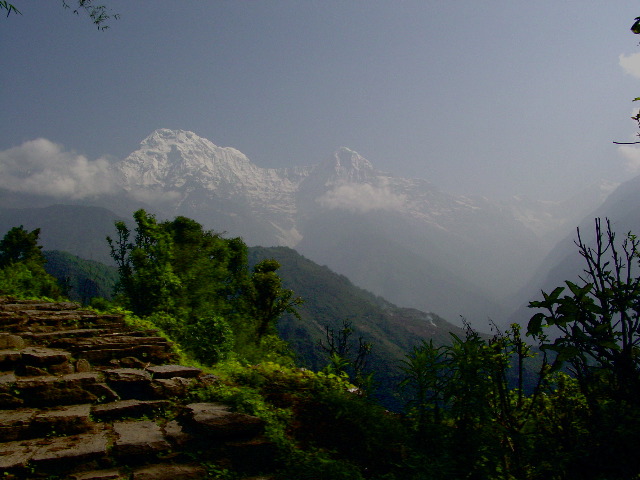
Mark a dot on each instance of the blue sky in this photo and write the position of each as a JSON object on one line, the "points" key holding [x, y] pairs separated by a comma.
{"points": [[496, 98]]}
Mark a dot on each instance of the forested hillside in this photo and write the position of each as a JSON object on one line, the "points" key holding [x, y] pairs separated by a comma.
{"points": [[329, 301], [82, 280]]}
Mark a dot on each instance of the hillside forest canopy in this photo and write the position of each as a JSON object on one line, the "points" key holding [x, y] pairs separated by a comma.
{"points": [[562, 402]]}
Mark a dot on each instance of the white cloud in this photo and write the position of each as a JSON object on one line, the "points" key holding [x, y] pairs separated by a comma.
{"points": [[631, 154], [630, 64], [43, 167], [361, 198]]}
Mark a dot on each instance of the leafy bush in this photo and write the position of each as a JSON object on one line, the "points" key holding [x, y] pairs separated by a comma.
{"points": [[209, 339], [26, 281]]}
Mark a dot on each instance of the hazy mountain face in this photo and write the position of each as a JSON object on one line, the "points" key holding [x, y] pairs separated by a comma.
{"points": [[563, 262], [401, 238]]}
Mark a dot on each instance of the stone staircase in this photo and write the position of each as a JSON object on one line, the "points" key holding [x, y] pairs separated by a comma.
{"points": [[84, 397]]}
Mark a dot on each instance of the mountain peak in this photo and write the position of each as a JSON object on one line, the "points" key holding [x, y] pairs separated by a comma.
{"points": [[166, 135], [346, 165], [349, 159], [172, 158]]}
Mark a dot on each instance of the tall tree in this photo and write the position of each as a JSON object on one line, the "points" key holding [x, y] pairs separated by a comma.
{"points": [[269, 299], [20, 245], [22, 270]]}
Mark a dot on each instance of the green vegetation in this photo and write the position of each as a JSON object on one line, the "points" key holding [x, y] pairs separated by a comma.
{"points": [[197, 287], [80, 279], [22, 270], [468, 407], [599, 339], [330, 301]]}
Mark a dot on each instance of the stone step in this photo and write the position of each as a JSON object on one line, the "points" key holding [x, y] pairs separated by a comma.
{"points": [[138, 442], [108, 474], [43, 357], [217, 421], [172, 371], [8, 305], [34, 361], [42, 391], [134, 333], [151, 354], [12, 323], [11, 342], [25, 423], [45, 337], [168, 471], [79, 392], [56, 454], [137, 383], [130, 383], [119, 340], [158, 471], [52, 318], [108, 320], [101, 350], [131, 408]]}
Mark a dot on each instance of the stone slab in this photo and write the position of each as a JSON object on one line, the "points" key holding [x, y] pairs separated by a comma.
{"points": [[171, 387], [9, 341], [176, 435], [103, 392], [73, 450], [170, 371], [111, 474], [138, 439], [7, 378], [127, 375], [128, 408], [40, 356], [15, 424], [170, 472], [218, 421], [15, 455], [9, 356], [63, 420], [62, 390]]}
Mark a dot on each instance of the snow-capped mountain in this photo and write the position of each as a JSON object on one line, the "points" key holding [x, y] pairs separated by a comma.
{"points": [[402, 238], [343, 202], [181, 172]]}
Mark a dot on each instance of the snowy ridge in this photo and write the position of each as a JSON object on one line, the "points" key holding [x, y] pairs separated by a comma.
{"points": [[183, 171], [177, 166], [178, 162], [332, 211]]}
